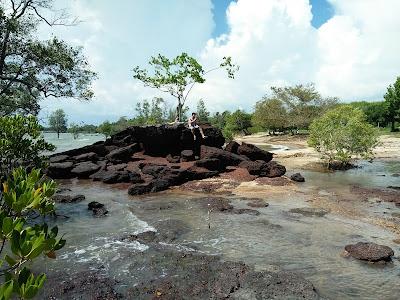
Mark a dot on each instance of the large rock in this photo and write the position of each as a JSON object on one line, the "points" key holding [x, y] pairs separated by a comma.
{"points": [[370, 252], [60, 170], [232, 146], [225, 157], [254, 153], [59, 158], [275, 169], [263, 169], [212, 164], [123, 154], [187, 155], [84, 169], [90, 156]]}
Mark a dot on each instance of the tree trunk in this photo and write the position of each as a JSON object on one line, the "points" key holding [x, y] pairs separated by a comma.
{"points": [[58, 134], [393, 129]]}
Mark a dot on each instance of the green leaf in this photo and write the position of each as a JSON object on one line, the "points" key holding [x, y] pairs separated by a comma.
{"points": [[6, 290]]}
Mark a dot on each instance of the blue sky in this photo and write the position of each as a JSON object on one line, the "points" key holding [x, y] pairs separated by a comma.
{"points": [[349, 49]]}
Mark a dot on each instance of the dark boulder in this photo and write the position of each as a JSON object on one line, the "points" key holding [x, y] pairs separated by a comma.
{"points": [[59, 158], [91, 156], [225, 157], [370, 252], [212, 164], [275, 169], [60, 170], [196, 173], [122, 176], [254, 153], [124, 154], [232, 146], [140, 188], [297, 177], [94, 204], [263, 169], [85, 169], [187, 155], [98, 209], [258, 168]]}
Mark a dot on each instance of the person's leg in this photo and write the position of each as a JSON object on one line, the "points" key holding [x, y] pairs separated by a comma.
{"points": [[194, 133], [202, 133]]}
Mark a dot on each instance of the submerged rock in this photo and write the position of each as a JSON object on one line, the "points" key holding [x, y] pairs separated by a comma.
{"points": [[97, 208], [297, 177], [370, 252], [258, 203], [310, 211], [68, 198]]}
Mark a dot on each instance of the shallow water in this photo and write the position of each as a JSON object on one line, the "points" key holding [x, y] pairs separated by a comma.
{"points": [[67, 141], [275, 239]]}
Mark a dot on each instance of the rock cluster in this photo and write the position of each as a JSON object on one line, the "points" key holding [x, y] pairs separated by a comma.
{"points": [[153, 158]]}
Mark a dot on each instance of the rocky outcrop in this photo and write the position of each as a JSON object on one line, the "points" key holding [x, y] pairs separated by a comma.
{"points": [[370, 252], [98, 209], [154, 158]]}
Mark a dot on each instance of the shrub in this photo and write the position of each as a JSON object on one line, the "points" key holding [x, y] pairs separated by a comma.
{"points": [[21, 143], [343, 134], [24, 197]]}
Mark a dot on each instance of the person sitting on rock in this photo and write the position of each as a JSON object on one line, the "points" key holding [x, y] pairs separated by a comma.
{"points": [[192, 122]]}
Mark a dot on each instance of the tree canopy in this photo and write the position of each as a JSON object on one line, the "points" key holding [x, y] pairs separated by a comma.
{"points": [[32, 69], [58, 121], [343, 134], [177, 76], [392, 100]]}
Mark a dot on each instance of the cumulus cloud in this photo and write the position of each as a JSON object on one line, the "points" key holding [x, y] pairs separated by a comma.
{"points": [[352, 56]]}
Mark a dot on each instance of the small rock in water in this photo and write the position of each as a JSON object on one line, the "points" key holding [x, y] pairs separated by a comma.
{"points": [[297, 177], [396, 175], [393, 187], [258, 203], [370, 252], [310, 211], [97, 208], [397, 241]]}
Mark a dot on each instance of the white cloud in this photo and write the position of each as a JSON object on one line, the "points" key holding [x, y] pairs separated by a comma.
{"points": [[353, 55]]}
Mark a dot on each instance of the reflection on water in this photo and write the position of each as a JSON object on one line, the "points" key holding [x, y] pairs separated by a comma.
{"points": [[276, 238], [67, 141]]}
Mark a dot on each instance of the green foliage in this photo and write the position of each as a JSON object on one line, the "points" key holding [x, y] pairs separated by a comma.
{"points": [[202, 113], [150, 113], [270, 114], [303, 103], [343, 134], [177, 76], [21, 142], [392, 101], [219, 119], [237, 122], [106, 128], [32, 69], [75, 130], [58, 121], [25, 196], [375, 112]]}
